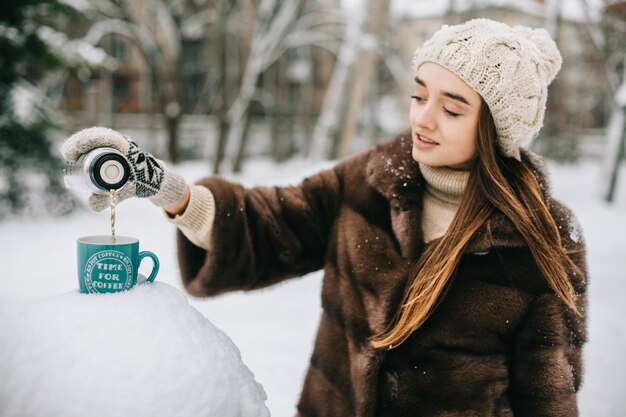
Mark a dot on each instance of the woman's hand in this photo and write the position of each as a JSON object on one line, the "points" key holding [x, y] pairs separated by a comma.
{"points": [[149, 177]]}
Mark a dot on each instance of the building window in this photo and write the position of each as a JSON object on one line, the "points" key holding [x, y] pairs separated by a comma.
{"points": [[119, 49]]}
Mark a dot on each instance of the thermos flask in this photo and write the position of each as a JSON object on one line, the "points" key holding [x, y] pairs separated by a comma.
{"points": [[98, 171]]}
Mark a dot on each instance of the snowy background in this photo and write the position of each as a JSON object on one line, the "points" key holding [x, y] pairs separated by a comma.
{"points": [[274, 328]]}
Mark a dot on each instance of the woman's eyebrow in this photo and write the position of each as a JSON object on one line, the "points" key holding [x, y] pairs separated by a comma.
{"points": [[419, 81], [456, 97], [448, 94]]}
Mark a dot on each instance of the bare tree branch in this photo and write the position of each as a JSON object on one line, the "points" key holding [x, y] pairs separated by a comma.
{"points": [[123, 28], [193, 25], [597, 40]]}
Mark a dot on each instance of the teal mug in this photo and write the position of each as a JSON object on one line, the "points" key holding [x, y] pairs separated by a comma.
{"points": [[106, 266]]}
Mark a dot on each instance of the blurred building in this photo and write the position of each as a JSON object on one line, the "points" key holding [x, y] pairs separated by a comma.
{"points": [[210, 65], [291, 91]]}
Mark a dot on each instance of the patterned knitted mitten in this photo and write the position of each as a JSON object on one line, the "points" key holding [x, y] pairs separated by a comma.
{"points": [[149, 177]]}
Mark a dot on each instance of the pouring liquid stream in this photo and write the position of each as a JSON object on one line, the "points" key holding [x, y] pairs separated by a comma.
{"points": [[112, 202]]}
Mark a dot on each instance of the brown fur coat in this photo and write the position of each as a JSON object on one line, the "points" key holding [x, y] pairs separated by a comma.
{"points": [[500, 344]]}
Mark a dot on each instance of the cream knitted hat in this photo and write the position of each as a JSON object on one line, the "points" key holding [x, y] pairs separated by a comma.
{"points": [[510, 67]]}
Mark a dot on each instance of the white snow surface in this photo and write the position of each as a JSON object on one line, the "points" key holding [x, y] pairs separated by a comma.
{"points": [[275, 328], [143, 352]]}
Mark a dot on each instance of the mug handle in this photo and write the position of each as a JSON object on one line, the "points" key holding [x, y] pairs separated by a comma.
{"points": [[155, 260]]}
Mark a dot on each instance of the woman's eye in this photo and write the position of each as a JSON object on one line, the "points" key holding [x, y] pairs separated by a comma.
{"points": [[451, 113], [417, 98]]}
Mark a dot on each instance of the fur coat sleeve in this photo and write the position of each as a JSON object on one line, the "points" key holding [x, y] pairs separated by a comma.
{"points": [[273, 233]]}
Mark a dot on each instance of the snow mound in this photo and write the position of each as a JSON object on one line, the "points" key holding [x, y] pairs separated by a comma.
{"points": [[143, 352]]}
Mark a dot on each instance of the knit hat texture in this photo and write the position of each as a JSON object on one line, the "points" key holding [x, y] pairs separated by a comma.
{"points": [[510, 67]]}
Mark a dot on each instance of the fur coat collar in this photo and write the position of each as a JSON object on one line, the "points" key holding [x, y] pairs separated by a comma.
{"points": [[393, 172]]}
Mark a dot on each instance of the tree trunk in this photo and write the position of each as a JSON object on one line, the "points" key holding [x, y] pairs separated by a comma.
{"points": [[348, 85], [240, 106], [616, 137], [376, 20], [220, 151], [172, 117], [241, 152], [336, 96], [173, 124], [282, 123], [616, 134], [276, 114], [171, 103], [222, 95]]}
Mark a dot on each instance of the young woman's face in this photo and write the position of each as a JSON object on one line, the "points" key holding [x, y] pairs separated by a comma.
{"points": [[444, 118]]}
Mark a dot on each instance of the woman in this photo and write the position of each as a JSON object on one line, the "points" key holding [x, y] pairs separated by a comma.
{"points": [[454, 283]]}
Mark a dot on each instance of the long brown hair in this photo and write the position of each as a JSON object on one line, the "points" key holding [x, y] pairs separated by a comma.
{"points": [[495, 182]]}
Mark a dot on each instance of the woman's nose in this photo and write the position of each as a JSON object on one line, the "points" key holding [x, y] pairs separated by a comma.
{"points": [[424, 118]]}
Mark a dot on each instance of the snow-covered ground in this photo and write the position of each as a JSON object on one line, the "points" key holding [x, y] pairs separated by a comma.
{"points": [[274, 328]]}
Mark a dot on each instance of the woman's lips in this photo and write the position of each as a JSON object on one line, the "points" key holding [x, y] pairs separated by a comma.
{"points": [[424, 141]]}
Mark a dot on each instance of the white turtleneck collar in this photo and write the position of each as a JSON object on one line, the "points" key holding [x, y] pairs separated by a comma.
{"points": [[444, 191]]}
